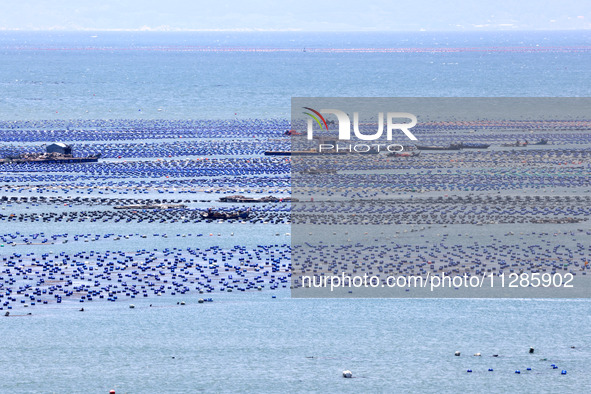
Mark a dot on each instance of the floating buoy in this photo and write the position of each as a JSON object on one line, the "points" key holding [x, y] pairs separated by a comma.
{"points": [[457, 354], [347, 374], [563, 372]]}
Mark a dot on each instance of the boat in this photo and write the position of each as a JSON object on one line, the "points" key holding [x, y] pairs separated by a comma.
{"points": [[238, 198], [211, 214], [543, 141]]}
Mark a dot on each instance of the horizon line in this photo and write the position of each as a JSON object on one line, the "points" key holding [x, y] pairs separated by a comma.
{"points": [[261, 30]]}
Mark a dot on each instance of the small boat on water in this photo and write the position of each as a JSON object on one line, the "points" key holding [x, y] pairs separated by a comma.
{"points": [[211, 214], [543, 141]]}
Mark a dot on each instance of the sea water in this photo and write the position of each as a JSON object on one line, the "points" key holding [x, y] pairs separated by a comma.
{"points": [[63, 75], [251, 341]]}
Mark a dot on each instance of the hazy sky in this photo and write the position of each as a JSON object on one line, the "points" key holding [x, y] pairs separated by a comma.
{"points": [[305, 15]]}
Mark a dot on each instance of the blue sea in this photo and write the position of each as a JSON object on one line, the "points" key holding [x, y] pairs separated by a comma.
{"points": [[265, 341], [254, 75]]}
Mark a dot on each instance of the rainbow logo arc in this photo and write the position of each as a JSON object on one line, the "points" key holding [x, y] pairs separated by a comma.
{"points": [[317, 117]]}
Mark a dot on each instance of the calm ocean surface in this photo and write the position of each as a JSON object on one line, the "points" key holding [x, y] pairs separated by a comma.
{"points": [[250, 342], [254, 75], [253, 343]]}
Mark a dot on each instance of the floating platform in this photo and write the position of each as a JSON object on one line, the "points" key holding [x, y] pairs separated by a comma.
{"points": [[65, 160]]}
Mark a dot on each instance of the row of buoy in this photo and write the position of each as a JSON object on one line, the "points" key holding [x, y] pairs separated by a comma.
{"points": [[531, 350], [277, 214], [49, 278], [147, 129], [138, 129], [566, 254], [517, 371], [164, 169]]}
